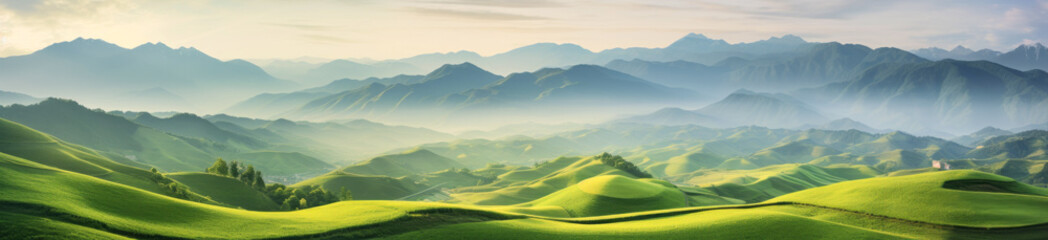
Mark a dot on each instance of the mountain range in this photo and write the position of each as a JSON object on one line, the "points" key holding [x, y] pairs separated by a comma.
{"points": [[464, 91], [149, 76], [8, 98], [810, 65], [692, 47], [945, 95], [1024, 57], [740, 108]]}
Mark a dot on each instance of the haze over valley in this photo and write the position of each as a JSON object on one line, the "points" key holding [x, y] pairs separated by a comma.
{"points": [[653, 128]]}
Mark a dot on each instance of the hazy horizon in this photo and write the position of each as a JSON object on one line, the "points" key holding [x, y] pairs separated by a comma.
{"points": [[392, 29]]}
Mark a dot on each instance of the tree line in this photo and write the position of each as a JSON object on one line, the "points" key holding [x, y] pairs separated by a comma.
{"points": [[287, 197], [620, 163]]}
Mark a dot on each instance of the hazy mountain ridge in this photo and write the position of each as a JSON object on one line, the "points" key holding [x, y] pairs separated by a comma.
{"points": [[944, 95], [743, 107], [1024, 57], [693, 47], [811, 65], [8, 98], [112, 72]]}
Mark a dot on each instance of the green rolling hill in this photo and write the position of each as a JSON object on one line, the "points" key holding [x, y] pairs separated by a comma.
{"points": [[612, 194], [765, 183], [225, 190], [22, 142], [364, 187], [138, 145], [56, 202], [1029, 144], [190, 125], [521, 186], [962, 197], [973, 139], [413, 162]]}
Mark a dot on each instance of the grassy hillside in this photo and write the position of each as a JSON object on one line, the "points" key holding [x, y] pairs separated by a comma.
{"points": [[26, 143], [189, 143], [976, 198], [101, 131], [66, 204], [521, 186], [1030, 144], [189, 125], [225, 190], [769, 182], [685, 163], [611, 194], [416, 161], [364, 187], [37, 190]]}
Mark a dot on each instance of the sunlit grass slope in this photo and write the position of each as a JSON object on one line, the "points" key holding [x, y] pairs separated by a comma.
{"points": [[225, 190], [611, 194], [364, 187], [772, 181], [48, 192], [987, 199], [104, 132], [20, 226], [416, 161], [521, 186], [64, 204], [24, 142]]}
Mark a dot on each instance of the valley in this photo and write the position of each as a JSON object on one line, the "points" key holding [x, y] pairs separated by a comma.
{"points": [[543, 119]]}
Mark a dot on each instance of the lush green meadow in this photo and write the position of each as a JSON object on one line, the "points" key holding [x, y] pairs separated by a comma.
{"points": [[54, 189]]}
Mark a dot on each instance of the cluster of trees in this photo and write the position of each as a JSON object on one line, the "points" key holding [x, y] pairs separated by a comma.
{"points": [[620, 163], [174, 189], [288, 198], [249, 175], [304, 197]]}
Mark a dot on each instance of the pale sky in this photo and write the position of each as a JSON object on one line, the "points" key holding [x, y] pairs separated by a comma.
{"points": [[395, 29]]}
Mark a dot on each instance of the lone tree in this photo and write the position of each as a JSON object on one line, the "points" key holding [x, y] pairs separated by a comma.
{"points": [[249, 175], [234, 169], [259, 183], [220, 167]]}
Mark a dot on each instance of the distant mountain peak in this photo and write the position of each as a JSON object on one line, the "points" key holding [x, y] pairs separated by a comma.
{"points": [[159, 46], [465, 66], [281, 123], [51, 101], [697, 41], [83, 40], [1035, 45], [548, 47], [961, 50], [696, 36], [989, 128], [585, 67], [788, 38], [82, 46]]}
